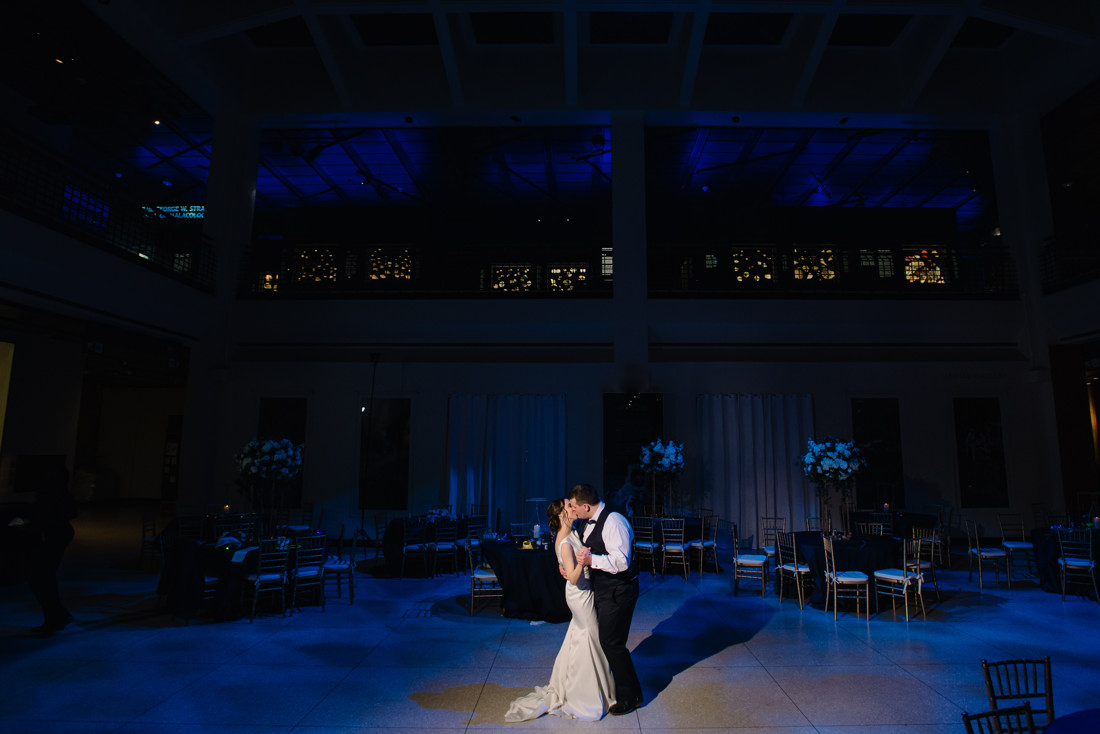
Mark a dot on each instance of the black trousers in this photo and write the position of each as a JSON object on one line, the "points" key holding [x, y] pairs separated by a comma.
{"points": [[42, 577], [615, 602]]}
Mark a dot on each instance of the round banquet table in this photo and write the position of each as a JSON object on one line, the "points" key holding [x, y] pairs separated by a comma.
{"points": [[533, 586], [1079, 722]]}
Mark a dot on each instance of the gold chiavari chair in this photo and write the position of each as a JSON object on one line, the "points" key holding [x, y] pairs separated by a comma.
{"points": [[644, 544], [748, 566], [844, 584], [673, 548]]}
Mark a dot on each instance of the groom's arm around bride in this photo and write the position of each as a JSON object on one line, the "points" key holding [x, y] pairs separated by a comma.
{"points": [[608, 540]]}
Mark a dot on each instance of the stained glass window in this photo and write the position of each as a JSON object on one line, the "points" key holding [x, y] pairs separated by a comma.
{"points": [[390, 264], [314, 264], [752, 265], [181, 262], [607, 262], [814, 264], [565, 278], [925, 266], [514, 278]]}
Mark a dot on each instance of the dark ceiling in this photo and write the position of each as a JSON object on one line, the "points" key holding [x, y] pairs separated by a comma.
{"points": [[748, 104]]}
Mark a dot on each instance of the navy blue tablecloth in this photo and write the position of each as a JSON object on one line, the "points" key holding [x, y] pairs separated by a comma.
{"points": [[533, 586]]}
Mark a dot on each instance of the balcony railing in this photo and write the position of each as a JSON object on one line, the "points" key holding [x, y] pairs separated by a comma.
{"points": [[812, 271], [1067, 262], [274, 270], [41, 186]]}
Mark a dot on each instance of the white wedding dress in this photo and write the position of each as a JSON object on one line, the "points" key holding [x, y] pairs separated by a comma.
{"points": [[581, 686]]}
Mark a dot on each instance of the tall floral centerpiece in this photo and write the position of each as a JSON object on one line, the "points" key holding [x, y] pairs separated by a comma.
{"points": [[831, 464], [266, 466], [663, 462]]}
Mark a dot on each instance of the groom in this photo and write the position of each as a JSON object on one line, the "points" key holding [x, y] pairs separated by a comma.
{"points": [[608, 540]]}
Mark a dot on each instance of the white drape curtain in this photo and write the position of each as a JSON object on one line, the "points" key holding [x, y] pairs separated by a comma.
{"points": [[751, 447], [504, 449]]}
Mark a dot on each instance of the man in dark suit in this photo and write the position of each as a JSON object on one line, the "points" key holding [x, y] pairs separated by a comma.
{"points": [[609, 540]]}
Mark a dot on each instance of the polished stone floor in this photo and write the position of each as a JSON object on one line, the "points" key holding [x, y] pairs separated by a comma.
{"points": [[407, 657]]}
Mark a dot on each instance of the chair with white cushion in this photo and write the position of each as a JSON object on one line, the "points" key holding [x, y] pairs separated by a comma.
{"points": [[484, 584], [787, 565], [673, 547], [896, 583], [338, 568], [748, 566], [769, 526], [707, 544], [644, 544], [919, 555], [844, 584], [307, 573], [1076, 563], [985, 555], [270, 576], [1013, 540]]}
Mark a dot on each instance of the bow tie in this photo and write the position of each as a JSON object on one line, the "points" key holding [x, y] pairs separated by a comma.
{"points": [[589, 522]]}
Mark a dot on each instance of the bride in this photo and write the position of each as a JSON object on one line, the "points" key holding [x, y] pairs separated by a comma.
{"points": [[581, 686]]}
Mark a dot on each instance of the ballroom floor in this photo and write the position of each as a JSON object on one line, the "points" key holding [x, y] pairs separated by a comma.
{"points": [[407, 657]]}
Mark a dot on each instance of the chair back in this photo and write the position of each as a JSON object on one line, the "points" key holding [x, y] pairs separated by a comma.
{"points": [[445, 534], [813, 523], [643, 528], [672, 532], [520, 530], [784, 549], [886, 519], [415, 532], [311, 551], [972, 540], [871, 528], [1017, 682], [1001, 721], [272, 559], [478, 510], [769, 526], [1076, 544], [708, 533], [475, 527], [830, 559], [1012, 526]]}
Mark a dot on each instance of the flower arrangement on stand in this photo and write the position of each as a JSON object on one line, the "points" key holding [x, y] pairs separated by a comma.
{"points": [[831, 464], [265, 466], [665, 462]]}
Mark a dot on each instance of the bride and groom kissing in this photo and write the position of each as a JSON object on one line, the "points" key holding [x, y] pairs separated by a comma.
{"points": [[593, 672]]}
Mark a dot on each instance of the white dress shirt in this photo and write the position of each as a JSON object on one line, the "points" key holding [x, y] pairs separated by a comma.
{"points": [[618, 539]]}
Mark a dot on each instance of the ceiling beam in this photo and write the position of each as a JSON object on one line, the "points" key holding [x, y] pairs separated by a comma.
{"points": [[883, 161], [692, 161], [817, 51], [447, 51], [406, 162], [237, 25], [694, 51], [1038, 27], [324, 50], [569, 52], [833, 165], [934, 55]]}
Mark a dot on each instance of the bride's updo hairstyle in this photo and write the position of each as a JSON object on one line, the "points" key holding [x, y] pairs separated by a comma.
{"points": [[553, 514]]}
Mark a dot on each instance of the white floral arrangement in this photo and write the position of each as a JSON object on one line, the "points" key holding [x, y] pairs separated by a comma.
{"points": [[831, 462], [663, 458], [270, 459]]}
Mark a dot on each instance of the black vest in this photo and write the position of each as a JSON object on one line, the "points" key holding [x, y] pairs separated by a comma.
{"points": [[596, 545]]}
